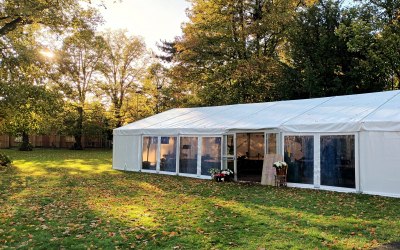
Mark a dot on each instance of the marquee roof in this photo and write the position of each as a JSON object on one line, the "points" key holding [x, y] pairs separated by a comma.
{"points": [[378, 111]]}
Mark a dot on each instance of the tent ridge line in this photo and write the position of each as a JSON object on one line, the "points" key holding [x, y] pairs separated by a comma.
{"points": [[319, 104], [377, 108]]}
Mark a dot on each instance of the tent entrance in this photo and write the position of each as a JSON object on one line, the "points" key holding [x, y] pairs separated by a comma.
{"points": [[250, 156]]}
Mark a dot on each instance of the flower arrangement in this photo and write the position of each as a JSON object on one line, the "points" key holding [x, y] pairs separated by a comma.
{"points": [[221, 175], [279, 164]]}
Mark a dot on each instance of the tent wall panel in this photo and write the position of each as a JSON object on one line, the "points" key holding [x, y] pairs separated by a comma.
{"points": [[126, 153], [380, 163], [373, 119]]}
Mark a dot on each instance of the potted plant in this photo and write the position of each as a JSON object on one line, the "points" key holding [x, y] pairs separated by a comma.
{"points": [[280, 167], [221, 175]]}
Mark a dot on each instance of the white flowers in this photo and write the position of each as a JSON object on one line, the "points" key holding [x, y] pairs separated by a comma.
{"points": [[279, 164], [227, 172]]}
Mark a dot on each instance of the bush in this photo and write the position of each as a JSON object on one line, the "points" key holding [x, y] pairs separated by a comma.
{"points": [[4, 160]]}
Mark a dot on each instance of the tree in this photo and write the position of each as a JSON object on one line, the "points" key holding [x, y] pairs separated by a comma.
{"points": [[123, 65], [57, 15], [78, 62], [319, 60], [96, 121], [230, 50], [30, 109], [374, 33], [27, 105]]}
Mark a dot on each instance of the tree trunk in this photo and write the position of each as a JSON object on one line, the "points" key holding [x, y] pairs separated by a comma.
{"points": [[118, 116], [25, 145], [78, 132]]}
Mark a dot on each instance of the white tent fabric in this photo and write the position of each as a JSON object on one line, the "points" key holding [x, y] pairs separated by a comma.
{"points": [[363, 112], [373, 119]]}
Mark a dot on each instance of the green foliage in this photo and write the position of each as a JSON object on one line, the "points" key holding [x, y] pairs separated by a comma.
{"points": [[4, 160], [122, 67], [15, 14], [374, 34], [248, 51], [73, 199], [79, 60], [30, 109], [229, 52]]}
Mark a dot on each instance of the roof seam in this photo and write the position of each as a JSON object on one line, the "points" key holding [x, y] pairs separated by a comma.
{"points": [[388, 100], [276, 103], [205, 117], [319, 104], [169, 119]]}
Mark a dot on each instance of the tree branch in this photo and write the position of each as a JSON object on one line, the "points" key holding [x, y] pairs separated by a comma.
{"points": [[10, 26]]}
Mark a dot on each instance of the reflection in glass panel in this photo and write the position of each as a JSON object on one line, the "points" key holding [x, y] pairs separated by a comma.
{"points": [[337, 161], [188, 155], [299, 154], [229, 145], [168, 154], [271, 147], [210, 154], [149, 153]]}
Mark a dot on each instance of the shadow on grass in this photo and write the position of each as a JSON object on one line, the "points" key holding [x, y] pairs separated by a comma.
{"points": [[69, 206]]}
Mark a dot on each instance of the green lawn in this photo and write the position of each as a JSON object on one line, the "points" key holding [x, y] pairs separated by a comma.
{"points": [[55, 199]]}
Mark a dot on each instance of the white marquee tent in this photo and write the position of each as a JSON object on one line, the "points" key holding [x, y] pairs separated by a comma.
{"points": [[344, 143]]}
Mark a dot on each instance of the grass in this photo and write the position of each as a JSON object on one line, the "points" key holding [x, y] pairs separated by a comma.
{"points": [[61, 199]]}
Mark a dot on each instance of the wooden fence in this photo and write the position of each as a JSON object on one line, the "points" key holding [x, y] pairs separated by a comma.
{"points": [[55, 141]]}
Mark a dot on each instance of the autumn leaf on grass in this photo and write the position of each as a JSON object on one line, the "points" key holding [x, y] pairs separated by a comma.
{"points": [[172, 234], [372, 231], [199, 230], [139, 236], [80, 236]]}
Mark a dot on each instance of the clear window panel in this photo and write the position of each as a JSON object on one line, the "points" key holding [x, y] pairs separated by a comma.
{"points": [[168, 154], [250, 146], [299, 154], [338, 161], [210, 154], [272, 140], [188, 155], [229, 145], [149, 153]]}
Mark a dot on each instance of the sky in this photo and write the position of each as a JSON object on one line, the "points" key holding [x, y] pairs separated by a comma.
{"points": [[154, 20]]}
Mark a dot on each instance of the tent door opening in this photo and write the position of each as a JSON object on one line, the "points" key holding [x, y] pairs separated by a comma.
{"points": [[250, 156]]}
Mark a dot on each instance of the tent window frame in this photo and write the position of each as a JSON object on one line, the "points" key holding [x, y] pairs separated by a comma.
{"points": [[199, 152], [317, 162], [178, 152], [356, 163], [157, 154]]}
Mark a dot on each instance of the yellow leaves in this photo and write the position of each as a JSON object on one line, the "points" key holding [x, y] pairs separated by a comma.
{"points": [[169, 234], [199, 230], [172, 234], [79, 236], [372, 231]]}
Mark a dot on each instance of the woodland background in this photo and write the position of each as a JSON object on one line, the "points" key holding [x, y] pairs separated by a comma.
{"points": [[60, 76]]}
